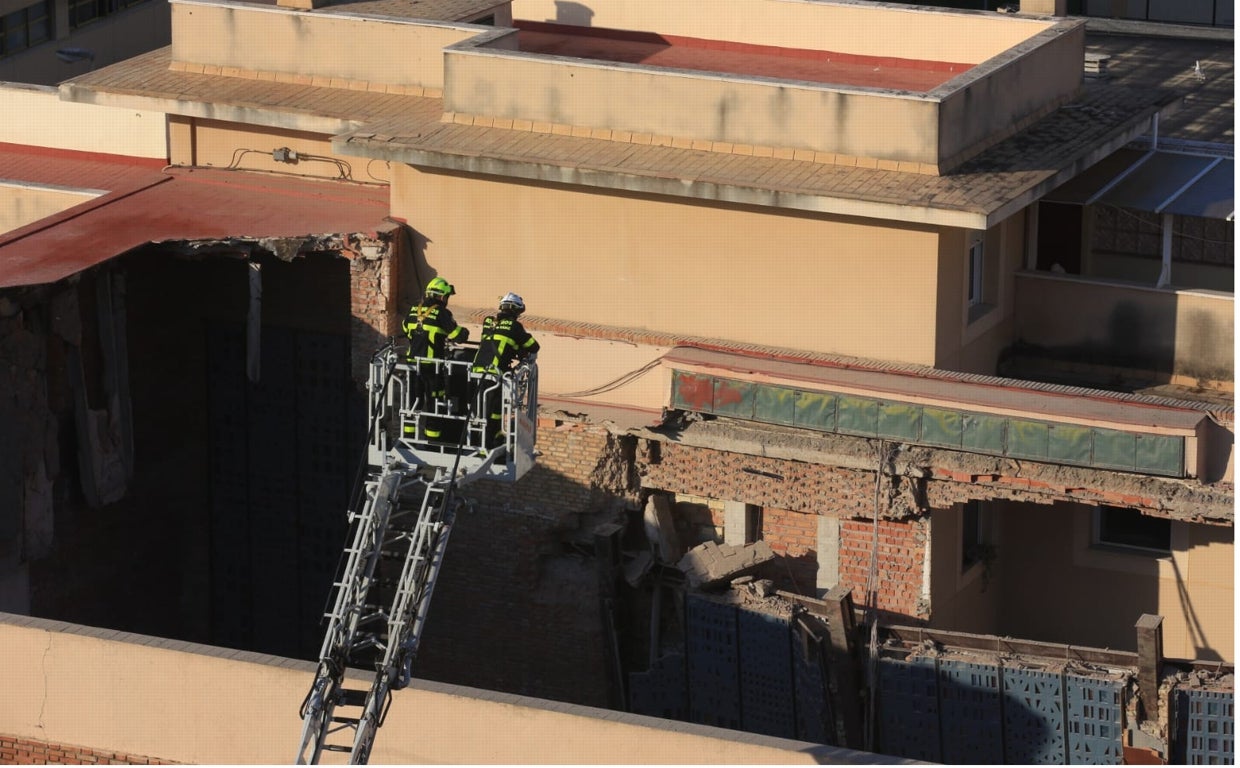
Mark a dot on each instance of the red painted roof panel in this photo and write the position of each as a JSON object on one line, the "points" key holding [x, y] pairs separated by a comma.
{"points": [[145, 202]]}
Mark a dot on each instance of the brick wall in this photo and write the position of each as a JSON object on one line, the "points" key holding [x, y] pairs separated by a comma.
{"points": [[793, 536], [901, 564], [15, 751], [516, 607], [793, 494], [373, 273], [790, 485]]}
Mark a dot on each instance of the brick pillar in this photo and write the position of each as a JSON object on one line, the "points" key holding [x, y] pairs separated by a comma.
{"points": [[1149, 662], [372, 291]]}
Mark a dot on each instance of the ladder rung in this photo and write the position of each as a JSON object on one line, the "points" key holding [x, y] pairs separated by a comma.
{"points": [[349, 721], [351, 697]]}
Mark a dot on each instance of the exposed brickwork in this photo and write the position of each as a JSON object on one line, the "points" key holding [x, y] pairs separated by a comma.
{"points": [[794, 538], [790, 485], [901, 563], [518, 597], [15, 751], [793, 494], [372, 295]]}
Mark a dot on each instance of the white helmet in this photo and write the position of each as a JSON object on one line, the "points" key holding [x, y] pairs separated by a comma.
{"points": [[512, 303]]}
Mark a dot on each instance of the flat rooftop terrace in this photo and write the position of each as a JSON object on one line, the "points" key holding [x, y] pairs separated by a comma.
{"points": [[724, 57]]}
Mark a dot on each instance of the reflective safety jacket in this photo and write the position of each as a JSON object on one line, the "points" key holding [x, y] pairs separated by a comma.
{"points": [[503, 340], [429, 326]]}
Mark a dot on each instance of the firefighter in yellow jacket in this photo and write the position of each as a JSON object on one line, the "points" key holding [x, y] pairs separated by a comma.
{"points": [[429, 327], [504, 341]]}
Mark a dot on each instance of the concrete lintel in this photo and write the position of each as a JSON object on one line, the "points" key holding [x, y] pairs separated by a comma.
{"points": [[697, 189], [234, 113]]}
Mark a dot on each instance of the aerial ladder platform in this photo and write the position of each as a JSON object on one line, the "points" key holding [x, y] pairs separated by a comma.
{"points": [[431, 430]]}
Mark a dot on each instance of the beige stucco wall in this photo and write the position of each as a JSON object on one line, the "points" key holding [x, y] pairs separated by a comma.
{"points": [[1190, 331], [1056, 587], [817, 283], [571, 368], [974, 344], [201, 705], [197, 141], [865, 29], [994, 101], [708, 107], [35, 116], [268, 38], [22, 204]]}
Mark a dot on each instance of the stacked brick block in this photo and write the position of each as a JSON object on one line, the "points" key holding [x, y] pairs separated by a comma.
{"points": [[15, 751]]}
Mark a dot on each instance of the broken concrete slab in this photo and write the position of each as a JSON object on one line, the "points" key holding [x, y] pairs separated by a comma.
{"points": [[637, 568], [661, 529], [710, 564]]}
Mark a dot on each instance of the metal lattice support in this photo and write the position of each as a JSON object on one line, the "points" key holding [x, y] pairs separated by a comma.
{"points": [[1207, 726], [908, 699], [766, 675], [812, 709], [228, 470], [969, 714], [1033, 724], [323, 471], [714, 686], [1095, 725], [660, 691]]}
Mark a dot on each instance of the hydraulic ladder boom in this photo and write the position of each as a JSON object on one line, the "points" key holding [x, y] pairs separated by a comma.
{"points": [[429, 433]]}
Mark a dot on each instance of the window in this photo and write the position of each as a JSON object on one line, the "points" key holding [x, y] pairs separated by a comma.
{"points": [[973, 545], [977, 253], [1128, 528], [25, 28], [82, 12]]}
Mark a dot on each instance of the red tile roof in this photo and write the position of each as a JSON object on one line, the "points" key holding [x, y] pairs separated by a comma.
{"points": [[144, 202]]}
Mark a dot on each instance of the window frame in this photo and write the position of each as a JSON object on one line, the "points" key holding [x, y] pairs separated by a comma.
{"points": [[976, 291], [976, 539], [9, 23], [1112, 544]]}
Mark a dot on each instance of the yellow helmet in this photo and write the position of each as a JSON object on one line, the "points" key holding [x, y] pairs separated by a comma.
{"points": [[440, 288]]}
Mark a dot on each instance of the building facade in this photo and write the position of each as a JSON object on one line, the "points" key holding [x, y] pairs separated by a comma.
{"points": [[794, 282]]}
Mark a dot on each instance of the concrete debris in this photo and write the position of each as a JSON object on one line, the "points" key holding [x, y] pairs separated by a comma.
{"points": [[711, 565], [764, 587], [661, 529], [637, 568]]}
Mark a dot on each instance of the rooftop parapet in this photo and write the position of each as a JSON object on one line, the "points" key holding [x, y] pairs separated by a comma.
{"points": [[323, 48], [1007, 72]]}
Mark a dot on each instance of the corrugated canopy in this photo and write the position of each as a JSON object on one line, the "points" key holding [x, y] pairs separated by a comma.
{"points": [[1157, 181]]}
